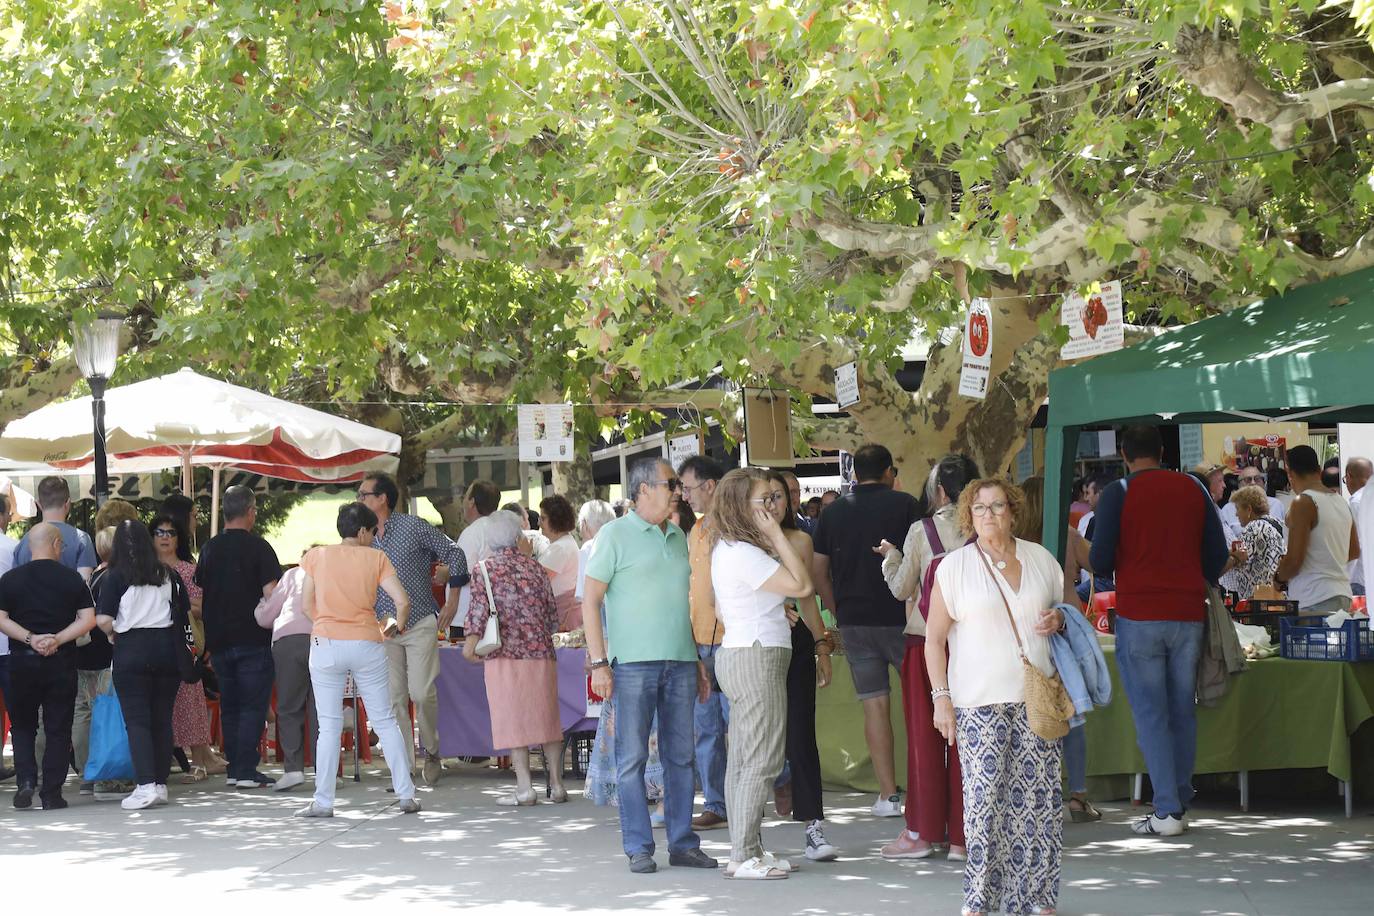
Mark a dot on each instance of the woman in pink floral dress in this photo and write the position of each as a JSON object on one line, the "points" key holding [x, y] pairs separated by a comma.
{"points": [[522, 675], [190, 718]]}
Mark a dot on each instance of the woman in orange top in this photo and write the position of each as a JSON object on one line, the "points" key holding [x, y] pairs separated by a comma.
{"points": [[340, 595]]}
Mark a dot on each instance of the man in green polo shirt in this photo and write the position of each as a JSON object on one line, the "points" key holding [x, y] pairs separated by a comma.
{"points": [[639, 567]]}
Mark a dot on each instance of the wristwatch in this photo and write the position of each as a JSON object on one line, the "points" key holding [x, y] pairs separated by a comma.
{"points": [[599, 663]]}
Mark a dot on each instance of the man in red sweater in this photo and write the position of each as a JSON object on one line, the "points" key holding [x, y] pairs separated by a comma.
{"points": [[1160, 533]]}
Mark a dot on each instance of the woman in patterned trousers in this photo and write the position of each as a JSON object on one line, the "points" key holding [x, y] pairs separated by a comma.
{"points": [[993, 604]]}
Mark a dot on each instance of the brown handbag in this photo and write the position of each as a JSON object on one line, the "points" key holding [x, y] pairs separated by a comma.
{"points": [[1048, 707]]}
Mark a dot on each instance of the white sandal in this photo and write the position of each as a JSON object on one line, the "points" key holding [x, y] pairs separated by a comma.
{"points": [[755, 869], [517, 800], [773, 861]]}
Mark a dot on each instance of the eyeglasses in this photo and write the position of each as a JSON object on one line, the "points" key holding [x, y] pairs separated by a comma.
{"points": [[694, 487], [364, 494], [1251, 478], [673, 484], [770, 499], [982, 509], [164, 532]]}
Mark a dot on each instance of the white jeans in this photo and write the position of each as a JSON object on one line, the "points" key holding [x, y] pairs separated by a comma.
{"points": [[331, 660]]}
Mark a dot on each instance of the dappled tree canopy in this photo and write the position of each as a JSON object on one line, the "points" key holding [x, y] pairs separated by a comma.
{"points": [[486, 200]]}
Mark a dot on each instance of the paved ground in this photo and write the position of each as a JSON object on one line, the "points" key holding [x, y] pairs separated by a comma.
{"points": [[216, 850]]}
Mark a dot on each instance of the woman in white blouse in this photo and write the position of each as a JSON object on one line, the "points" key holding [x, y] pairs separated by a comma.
{"points": [[1012, 820], [754, 569]]}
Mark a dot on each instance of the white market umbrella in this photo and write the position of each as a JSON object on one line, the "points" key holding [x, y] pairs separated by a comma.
{"points": [[185, 418]]}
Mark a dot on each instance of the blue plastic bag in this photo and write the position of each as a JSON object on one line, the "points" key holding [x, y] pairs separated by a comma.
{"points": [[109, 758]]}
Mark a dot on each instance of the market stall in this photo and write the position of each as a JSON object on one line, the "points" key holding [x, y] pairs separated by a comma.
{"points": [[465, 718], [1305, 354]]}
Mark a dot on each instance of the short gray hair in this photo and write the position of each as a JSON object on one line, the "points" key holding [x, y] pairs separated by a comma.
{"points": [[643, 471], [237, 501], [593, 514], [504, 529]]}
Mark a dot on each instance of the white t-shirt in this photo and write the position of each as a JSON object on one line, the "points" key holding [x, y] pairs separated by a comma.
{"points": [[583, 555], [7, 547], [1323, 574], [750, 614], [561, 560], [473, 541], [145, 607], [1356, 567], [984, 664]]}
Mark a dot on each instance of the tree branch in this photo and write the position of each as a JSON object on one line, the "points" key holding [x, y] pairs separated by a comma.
{"points": [[1217, 69]]}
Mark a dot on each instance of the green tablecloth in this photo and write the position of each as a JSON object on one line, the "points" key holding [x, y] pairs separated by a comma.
{"points": [[1280, 714]]}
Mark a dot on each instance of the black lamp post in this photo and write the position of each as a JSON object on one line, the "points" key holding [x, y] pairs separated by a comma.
{"points": [[96, 342]]}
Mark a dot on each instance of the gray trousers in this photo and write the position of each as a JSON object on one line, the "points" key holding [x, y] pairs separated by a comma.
{"points": [[295, 701], [754, 679]]}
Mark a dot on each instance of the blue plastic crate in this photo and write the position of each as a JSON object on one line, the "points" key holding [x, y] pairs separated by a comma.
{"points": [[1351, 642]]}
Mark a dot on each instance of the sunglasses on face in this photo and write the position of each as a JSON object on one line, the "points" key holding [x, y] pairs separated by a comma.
{"points": [[164, 532], [673, 485]]}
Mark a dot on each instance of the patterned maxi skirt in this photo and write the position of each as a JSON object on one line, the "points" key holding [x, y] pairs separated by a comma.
{"points": [[1012, 818]]}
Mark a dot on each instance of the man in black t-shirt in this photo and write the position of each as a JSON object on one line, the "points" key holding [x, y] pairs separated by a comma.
{"points": [[849, 580], [237, 569], [44, 608]]}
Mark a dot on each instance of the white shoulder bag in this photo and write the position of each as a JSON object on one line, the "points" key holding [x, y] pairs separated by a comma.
{"points": [[491, 636]]}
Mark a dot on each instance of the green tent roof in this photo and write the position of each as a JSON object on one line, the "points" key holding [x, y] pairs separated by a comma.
{"points": [[1306, 353]]}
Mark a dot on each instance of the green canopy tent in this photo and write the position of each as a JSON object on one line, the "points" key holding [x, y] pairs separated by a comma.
{"points": [[1307, 354]]}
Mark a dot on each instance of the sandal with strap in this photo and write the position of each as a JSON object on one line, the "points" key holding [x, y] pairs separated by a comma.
{"points": [[755, 869], [197, 774], [1083, 812]]}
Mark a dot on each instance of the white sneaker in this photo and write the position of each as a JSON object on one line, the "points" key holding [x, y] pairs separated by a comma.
{"points": [[314, 810], [409, 806], [161, 791], [817, 849], [289, 781], [1154, 825], [888, 807], [145, 796]]}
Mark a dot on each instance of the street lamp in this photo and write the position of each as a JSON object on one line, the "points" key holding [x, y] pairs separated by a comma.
{"points": [[96, 342]]}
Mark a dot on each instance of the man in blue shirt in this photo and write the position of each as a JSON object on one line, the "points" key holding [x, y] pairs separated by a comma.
{"points": [[55, 502]]}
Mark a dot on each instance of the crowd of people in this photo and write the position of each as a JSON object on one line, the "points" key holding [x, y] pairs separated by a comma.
{"points": [[701, 607]]}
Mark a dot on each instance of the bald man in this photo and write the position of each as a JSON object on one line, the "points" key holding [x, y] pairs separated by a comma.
{"points": [[44, 608], [1357, 474]]}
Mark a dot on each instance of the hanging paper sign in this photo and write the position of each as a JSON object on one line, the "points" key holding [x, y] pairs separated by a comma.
{"points": [[847, 384], [1190, 452], [846, 472], [546, 432], [1025, 459], [973, 377], [683, 447], [1094, 322]]}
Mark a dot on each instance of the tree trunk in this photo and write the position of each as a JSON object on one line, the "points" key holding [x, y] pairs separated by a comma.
{"points": [[573, 479], [450, 509]]}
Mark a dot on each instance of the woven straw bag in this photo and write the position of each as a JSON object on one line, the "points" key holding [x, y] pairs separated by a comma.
{"points": [[1048, 706]]}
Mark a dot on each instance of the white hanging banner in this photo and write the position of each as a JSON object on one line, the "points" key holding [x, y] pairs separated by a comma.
{"points": [[973, 377], [847, 384], [546, 432], [1190, 451], [681, 448], [846, 472], [1094, 321]]}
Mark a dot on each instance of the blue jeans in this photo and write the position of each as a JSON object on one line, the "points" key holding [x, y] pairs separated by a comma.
{"points": [[1158, 661], [710, 720], [245, 683], [641, 689], [1076, 759]]}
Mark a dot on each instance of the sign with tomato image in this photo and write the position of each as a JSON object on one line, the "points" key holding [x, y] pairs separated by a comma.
{"points": [[1094, 320], [973, 377]]}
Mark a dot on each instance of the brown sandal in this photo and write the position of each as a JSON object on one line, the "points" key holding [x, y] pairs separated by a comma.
{"points": [[1083, 812]]}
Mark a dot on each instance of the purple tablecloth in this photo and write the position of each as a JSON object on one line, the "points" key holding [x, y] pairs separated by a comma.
{"points": [[465, 720]]}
